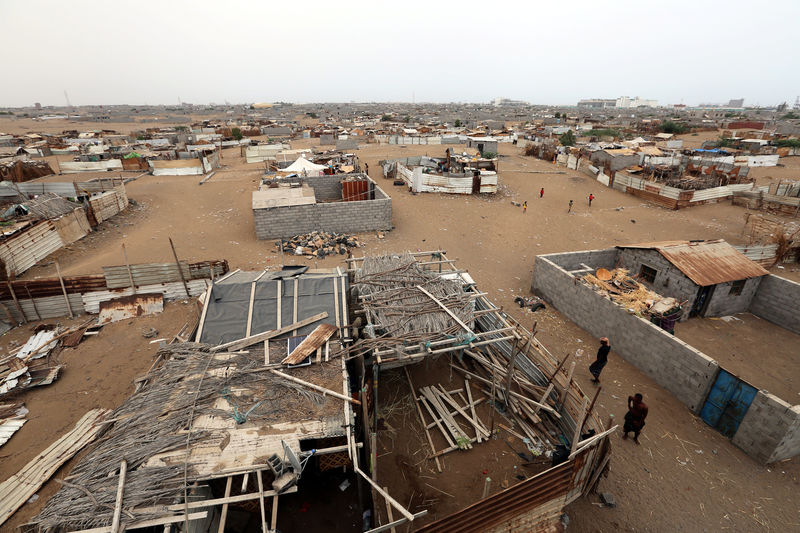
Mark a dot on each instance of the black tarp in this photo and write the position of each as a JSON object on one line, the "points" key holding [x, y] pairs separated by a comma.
{"points": [[228, 307]]}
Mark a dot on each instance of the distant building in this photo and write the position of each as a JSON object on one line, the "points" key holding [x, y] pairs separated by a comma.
{"points": [[37, 105], [626, 102], [597, 103], [506, 102], [738, 102]]}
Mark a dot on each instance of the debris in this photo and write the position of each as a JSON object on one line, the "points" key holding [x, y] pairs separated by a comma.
{"points": [[320, 243], [149, 333], [131, 306], [17, 489], [531, 302], [608, 499]]}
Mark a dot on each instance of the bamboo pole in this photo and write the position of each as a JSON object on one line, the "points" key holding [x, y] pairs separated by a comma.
{"points": [[180, 270], [123, 470], [128, 265], [63, 288], [323, 390], [16, 301]]}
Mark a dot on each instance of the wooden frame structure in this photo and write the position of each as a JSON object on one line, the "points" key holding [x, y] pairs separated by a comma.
{"points": [[506, 362]]}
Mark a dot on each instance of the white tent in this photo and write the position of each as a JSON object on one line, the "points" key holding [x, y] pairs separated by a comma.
{"points": [[304, 167]]}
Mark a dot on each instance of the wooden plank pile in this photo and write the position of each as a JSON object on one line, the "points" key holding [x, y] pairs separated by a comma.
{"points": [[448, 415], [17, 489], [523, 401]]}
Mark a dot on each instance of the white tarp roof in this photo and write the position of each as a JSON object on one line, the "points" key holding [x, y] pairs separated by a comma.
{"points": [[303, 165]]}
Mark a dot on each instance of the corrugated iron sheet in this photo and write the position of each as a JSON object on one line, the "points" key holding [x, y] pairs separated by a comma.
{"points": [[23, 250], [552, 484], [171, 291], [706, 263], [131, 306], [144, 274]]}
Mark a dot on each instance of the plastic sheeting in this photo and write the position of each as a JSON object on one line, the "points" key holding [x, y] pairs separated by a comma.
{"points": [[228, 309]]}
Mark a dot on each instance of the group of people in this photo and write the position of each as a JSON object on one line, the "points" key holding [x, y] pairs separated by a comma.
{"points": [[541, 195], [637, 409]]}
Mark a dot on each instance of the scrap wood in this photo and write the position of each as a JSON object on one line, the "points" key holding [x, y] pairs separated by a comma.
{"points": [[260, 337], [310, 344], [17, 489], [422, 419], [323, 390]]}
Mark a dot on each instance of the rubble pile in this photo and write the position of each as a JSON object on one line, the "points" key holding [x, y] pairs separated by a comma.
{"points": [[319, 244]]}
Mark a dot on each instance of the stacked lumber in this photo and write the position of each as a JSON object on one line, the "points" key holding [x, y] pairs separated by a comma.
{"points": [[525, 406], [17, 489], [451, 418]]}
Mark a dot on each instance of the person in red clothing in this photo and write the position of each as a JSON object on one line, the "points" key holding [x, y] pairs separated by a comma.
{"points": [[591, 197], [634, 418], [541, 193]]}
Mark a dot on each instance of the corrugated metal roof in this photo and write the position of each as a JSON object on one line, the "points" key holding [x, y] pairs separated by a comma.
{"points": [[706, 263]]}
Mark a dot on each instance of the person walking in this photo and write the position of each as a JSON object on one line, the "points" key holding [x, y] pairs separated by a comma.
{"points": [[634, 418], [541, 192], [366, 169], [601, 360], [570, 207], [524, 207], [591, 197]]}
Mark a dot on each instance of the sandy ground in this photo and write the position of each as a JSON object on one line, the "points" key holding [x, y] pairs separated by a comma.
{"points": [[685, 476], [99, 372], [763, 363]]}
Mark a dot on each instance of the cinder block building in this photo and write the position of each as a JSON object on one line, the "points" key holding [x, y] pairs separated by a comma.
{"points": [[712, 277]]}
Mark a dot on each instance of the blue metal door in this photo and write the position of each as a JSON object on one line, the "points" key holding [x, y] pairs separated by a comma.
{"points": [[727, 403]]}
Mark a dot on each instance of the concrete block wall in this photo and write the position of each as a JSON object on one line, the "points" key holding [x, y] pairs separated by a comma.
{"points": [[770, 430], [339, 217], [724, 303], [778, 300], [684, 371], [670, 281]]}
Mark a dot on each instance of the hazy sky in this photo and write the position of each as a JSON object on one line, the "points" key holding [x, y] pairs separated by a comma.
{"points": [[549, 52]]}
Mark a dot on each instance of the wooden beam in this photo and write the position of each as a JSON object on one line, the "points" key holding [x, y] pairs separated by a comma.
{"points": [[274, 522], [203, 314], [63, 288], [128, 266], [178, 264], [422, 419], [150, 523], [259, 337], [323, 390], [224, 513], [389, 512], [261, 502], [123, 469], [386, 495], [310, 344], [445, 309], [16, 302], [512, 393], [579, 424], [591, 440]]}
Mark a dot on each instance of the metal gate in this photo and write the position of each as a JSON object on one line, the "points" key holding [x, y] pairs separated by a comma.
{"points": [[727, 403]]}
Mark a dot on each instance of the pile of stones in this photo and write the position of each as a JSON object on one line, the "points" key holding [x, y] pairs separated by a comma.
{"points": [[319, 244]]}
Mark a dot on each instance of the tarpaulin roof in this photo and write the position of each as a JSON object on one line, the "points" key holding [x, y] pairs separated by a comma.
{"points": [[303, 165], [275, 303], [706, 263]]}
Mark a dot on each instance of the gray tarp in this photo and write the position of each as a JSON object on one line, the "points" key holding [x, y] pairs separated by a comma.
{"points": [[226, 317]]}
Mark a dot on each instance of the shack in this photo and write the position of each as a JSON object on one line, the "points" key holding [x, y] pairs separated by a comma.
{"points": [[713, 277]]}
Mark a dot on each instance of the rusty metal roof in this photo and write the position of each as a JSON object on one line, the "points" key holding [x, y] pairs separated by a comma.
{"points": [[706, 263]]}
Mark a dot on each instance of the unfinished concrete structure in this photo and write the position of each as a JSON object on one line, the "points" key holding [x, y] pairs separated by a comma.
{"points": [[764, 426], [341, 203]]}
